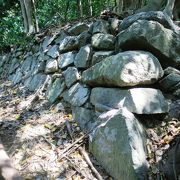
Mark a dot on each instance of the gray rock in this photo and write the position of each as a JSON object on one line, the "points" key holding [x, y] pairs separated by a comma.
{"points": [[60, 37], [51, 66], [103, 41], [47, 41], [158, 16], [53, 51], [174, 110], [151, 35], [83, 39], [26, 65], [55, 89], [114, 25], [17, 77], [36, 81], [78, 29], [83, 116], [71, 76], [136, 100], [170, 70], [69, 43], [100, 55], [128, 68], [14, 65], [83, 57], [66, 59], [100, 26], [77, 95], [118, 143], [4, 59], [169, 82]]}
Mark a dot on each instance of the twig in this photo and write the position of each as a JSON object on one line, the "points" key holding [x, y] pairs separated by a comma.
{"points": [[68, 126], [86, 157], [70, 146]]}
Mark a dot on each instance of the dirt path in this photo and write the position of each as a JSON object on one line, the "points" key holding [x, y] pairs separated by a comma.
{"points": [[40, 140]]}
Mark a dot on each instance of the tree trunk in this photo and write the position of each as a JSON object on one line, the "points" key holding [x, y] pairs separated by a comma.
{"points": [[80, 10], [90, 7], [29, 16]]}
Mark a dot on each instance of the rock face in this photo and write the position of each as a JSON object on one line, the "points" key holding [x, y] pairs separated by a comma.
{"points": [[55, 89], [136, 100], [83, 57], [151, 35], [103, 41], [78, 29], [66, 59], [117, 143], [71, 76], [124, 69], [77, 95]]}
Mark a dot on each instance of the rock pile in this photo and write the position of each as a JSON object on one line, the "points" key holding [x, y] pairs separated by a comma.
{"points": [[108, 72]]}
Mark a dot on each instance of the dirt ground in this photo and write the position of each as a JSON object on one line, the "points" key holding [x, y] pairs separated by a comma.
{"points": [[45, 143], [42, 141]]}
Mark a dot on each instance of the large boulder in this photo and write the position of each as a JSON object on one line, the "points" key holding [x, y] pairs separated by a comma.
{"points": [[55, 89], [103, 41], [136, 100], [152, 36], [158, 16], [124, 69], [83, 57], [77, 95], [118, 143]]}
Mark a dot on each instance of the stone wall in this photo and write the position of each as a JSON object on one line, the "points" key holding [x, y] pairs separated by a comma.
{"points": [[108, 71]]}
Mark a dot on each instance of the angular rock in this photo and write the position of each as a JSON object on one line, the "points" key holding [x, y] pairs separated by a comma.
{"points": [[78, 29], [128, 68], [170, 70], [103, 41], [14, 65], [77, 95], [100, 55], [26, 65], [100, 26], [83, 116], [83, 57], [66, 59], [53, 52], [47, 41], [83, 39], [60, 37], [150, 35], [55, 89], [118, 143], [136, 100], [71, 76], [69, 43], [36, 81], [17, 77], [51, 66], [169, 82]]}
